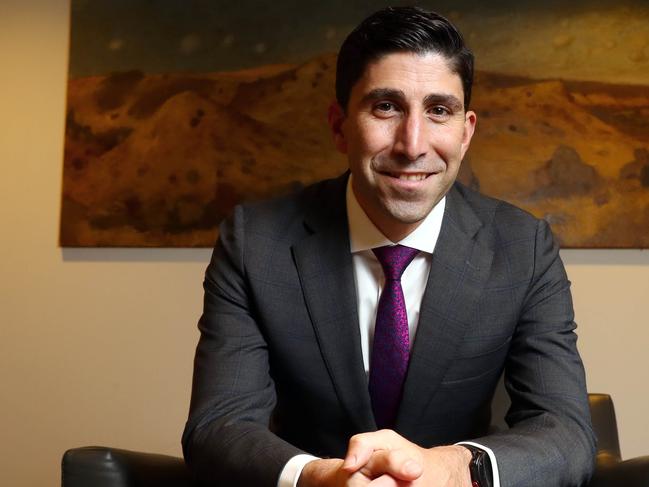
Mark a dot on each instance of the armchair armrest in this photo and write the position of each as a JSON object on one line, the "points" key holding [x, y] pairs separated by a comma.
{"points": [[98, 466], [630, 473]]}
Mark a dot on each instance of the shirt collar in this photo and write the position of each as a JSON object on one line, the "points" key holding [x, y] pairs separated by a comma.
{"points": [[363, 234]]}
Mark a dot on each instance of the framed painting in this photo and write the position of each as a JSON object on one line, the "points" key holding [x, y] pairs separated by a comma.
{"points": [[177, 111]]}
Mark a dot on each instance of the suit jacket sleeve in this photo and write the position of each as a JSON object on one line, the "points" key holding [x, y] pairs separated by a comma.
{"points": [[550, 440], [227, 440]]}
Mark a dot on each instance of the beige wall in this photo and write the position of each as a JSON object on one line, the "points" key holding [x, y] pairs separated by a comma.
{"points": [[96, 345]]}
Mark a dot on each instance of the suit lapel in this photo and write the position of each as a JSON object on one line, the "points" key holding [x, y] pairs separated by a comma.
{"points": [[460, 266], [324, 264]]}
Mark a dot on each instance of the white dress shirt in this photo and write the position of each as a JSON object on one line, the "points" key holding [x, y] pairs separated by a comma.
{"points": [[369, 279]]}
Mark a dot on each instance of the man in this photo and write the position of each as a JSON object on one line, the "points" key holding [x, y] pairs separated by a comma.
{"points": [[311, 340]]}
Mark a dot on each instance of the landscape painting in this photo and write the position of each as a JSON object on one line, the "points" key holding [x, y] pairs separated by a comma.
{"points": [[177, 111]]}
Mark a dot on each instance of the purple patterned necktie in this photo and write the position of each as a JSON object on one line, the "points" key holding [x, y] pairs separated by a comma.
{"points": [[391, 348]]}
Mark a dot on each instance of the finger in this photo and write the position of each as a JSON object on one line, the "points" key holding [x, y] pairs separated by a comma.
{"points": [[357, 480], [387, 481], [400, 464], [359, 451], [362, 446]]}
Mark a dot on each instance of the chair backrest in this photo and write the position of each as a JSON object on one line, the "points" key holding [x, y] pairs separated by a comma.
{"points": [[602, 413], [98, 466]]}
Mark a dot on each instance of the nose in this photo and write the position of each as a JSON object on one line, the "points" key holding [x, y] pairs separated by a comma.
{"points": [[411, 137]]}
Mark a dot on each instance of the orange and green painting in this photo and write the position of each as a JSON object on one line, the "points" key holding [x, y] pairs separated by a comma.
{"points": [[177, 111]]}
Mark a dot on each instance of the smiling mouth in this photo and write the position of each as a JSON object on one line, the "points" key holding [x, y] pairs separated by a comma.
{"points": [[408, 176]]}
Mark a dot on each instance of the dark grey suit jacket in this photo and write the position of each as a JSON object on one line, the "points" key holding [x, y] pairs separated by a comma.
{"points": [[279, 371]]}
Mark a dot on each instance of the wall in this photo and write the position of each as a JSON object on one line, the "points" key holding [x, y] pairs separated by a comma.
{"points": [[96, 345]]}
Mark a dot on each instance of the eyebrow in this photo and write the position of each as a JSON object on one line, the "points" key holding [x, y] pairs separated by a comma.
{"points": [[378, 93], [444, 99], [432, 99]]}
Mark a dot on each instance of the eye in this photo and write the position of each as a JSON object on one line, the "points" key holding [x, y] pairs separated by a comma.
{"points": [[439, 111], [385, 108]]}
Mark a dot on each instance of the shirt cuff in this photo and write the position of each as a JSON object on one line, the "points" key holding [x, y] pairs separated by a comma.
{"points": [[492, 458], [293, 468]]}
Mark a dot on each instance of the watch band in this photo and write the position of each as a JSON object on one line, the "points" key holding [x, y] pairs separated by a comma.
{"points": [[479, 467]]}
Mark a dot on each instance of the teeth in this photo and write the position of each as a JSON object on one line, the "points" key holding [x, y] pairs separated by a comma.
{"points": [[413, 177]]}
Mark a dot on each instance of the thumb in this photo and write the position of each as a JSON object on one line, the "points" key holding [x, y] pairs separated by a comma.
{"points": [[398, 464]]}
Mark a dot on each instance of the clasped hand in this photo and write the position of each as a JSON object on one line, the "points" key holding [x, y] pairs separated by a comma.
{"points": [[386, 459]]}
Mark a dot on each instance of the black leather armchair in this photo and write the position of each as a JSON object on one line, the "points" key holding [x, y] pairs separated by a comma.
{"points": [[610, 470], [95, 466]]}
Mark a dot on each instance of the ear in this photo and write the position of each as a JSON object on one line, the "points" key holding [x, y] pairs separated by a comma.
{"points": [[336, 117], [470, 119]]}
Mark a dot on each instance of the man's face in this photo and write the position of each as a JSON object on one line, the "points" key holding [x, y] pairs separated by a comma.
{"points": [[405, 133]]}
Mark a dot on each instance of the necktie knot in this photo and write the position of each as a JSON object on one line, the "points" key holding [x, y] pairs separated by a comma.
{"points": [[394, 259]]}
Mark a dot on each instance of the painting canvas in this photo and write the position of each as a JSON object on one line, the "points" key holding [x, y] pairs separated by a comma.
{"points": [[177, 111]]}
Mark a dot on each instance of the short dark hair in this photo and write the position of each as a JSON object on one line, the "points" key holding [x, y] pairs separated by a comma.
{"points": [[401, 29]]}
